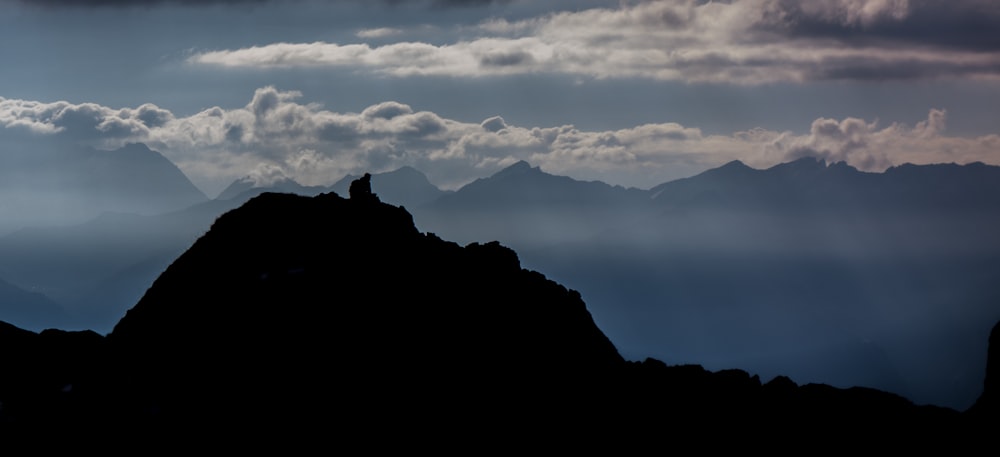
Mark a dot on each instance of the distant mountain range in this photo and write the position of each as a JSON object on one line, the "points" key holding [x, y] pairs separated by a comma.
{"points": [[525, 207], [67, 184], [819, 272], [809, 184], [301, 322]]}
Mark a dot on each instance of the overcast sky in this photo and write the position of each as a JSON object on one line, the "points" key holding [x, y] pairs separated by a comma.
{"points": [[631, 92]]}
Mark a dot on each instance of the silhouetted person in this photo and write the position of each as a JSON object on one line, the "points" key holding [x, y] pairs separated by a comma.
{"points": [[361, 188]]}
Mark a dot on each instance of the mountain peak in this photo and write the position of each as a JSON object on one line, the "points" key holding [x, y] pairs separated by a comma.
{"points": [[136, 147], [520, 167], [734, 168], [808, 163], [352, 282], [406, 169], [735, 165]]}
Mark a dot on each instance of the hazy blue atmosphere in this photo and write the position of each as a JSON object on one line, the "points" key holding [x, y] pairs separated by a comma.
{"points": [[599, 139]]}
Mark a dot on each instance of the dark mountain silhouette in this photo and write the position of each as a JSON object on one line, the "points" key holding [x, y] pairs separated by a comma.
{"points": [[896, 297], [327, 257], [309, 321], [62, 184], [527, 208]]}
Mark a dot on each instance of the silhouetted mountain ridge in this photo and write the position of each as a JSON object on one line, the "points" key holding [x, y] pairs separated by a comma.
{"points": [[328, 240], [291, 306], [275, 242]]}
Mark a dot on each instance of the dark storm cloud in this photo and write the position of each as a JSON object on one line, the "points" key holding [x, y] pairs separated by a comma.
{"points": [[873, 69], [962, 24]]}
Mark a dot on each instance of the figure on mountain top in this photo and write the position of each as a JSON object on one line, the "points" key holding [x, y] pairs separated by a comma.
{"points": [[361, 188]]}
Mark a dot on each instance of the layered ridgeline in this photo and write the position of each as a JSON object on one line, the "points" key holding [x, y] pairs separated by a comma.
{"points": [[819, 272], [52, 196], [329, 321], [815, 271]]}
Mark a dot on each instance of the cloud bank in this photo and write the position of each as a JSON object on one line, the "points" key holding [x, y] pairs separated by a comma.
{"points": [[277, 135], [744, 42]]}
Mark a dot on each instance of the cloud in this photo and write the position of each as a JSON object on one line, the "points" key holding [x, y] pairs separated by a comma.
{"points": [[965, 24], [494, 124], [266, 174], [380, 32], [743, 42], [277, 135], [83, 122], [844, 13]]}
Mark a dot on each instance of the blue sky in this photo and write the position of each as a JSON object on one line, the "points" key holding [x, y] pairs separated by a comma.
{"points": [[633, 93]]}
